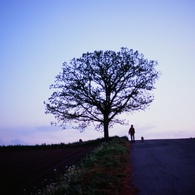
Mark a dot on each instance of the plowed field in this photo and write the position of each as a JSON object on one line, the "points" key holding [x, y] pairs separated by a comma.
{"points": [[25, 171]]}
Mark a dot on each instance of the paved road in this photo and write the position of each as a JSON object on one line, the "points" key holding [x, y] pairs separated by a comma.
{"points": [[164, 167]]}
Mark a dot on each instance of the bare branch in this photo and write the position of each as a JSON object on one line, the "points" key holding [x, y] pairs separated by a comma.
{"points": [[98, 86]]}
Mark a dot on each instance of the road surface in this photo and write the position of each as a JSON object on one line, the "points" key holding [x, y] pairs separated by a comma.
{"points": [[164, 166]]}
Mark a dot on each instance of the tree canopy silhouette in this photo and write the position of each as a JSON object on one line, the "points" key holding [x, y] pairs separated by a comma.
{"points": [[97, 87]]}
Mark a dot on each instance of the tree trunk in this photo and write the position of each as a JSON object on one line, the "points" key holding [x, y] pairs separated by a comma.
{"points": [[106, 123]]}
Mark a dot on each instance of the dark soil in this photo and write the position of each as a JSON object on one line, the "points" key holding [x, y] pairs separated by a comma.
{"points": [[24, 171]]}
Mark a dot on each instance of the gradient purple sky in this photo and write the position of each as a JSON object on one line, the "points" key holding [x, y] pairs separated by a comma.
{"points": [[37, 36]]}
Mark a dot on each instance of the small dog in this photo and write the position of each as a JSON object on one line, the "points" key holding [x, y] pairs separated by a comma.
{"points": [[142, 139]]}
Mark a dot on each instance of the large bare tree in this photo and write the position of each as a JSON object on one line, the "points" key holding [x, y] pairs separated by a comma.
{"points": [[97, 87]]}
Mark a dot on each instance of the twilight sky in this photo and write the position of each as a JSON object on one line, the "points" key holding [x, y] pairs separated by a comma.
{"points": [[38, 36]]}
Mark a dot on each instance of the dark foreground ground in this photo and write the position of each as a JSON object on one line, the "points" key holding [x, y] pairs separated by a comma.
{"points": [[32, 169], [164, 166]]}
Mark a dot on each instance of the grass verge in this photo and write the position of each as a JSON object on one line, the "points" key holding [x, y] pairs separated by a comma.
{"points": [[105, 171]]}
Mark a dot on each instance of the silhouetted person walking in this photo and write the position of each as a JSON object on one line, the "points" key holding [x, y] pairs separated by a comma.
{"points": [[131, 133]]}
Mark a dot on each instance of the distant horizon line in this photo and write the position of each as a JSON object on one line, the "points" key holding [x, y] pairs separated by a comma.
{"points": [[76, 142]]}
